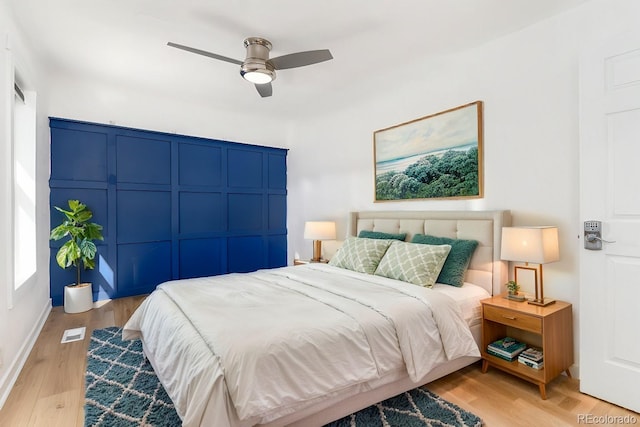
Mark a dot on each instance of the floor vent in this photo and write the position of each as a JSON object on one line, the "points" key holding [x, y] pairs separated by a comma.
{"points": [[75, 334]]}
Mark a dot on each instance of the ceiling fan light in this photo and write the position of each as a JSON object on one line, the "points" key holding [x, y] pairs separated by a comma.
{"points": [[258, 77], [257, 71]]}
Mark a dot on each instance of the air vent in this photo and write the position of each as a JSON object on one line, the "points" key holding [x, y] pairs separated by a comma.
{"points": [[76, 334]]}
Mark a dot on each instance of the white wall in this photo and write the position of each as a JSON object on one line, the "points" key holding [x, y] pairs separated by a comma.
{"points": [[22, 313], [529, 84], [108, 102]]}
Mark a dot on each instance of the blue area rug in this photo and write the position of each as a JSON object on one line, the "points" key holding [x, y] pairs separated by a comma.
{"points": [[417, 407], [122, 390]]}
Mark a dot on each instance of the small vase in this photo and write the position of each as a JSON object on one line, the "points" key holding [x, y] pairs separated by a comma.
{"points": [[78, 298]]}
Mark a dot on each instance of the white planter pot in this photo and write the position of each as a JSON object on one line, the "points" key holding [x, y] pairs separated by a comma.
{"points": [[78, 298]]}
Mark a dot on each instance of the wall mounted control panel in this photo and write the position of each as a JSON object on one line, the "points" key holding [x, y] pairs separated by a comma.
{"points": [[593, 235]]}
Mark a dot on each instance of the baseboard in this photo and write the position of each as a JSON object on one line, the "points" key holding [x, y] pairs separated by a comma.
{"points": [[11, 375]]}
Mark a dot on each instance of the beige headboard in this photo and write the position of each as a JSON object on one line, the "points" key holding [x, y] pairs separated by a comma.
{"points": [[486, 269]]}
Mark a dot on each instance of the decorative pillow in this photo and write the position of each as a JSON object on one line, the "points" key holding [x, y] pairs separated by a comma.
{"points": [[380, 235], [455, 267], [362, 255], [409, 262]]}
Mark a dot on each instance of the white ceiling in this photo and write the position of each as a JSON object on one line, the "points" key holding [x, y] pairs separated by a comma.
{"points": [[123, 42]]}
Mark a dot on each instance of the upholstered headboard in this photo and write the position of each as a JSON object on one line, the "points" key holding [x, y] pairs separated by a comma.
{"points": [[486, 269]]}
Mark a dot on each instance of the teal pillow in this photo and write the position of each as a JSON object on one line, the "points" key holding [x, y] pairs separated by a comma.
{"points": [[455, 267], [417, 264], [380, 235]]}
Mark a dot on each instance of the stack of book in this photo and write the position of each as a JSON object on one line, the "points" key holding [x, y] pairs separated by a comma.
{"points": [[532, 357], [506, 348]]}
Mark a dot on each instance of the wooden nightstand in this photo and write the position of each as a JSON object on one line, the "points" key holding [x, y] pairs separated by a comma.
{"points": [[307, 261], [549, 328]]}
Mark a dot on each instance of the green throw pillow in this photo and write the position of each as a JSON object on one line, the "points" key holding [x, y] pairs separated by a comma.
{"points": [[362, 255], [455, 267], [380, 235], [417, 264]]}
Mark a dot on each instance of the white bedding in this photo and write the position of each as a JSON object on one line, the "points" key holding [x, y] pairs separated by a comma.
{"points": [[468, 299], [242, 349]]}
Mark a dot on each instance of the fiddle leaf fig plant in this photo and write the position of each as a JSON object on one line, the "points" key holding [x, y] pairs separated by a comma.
{"points": [[80, 249]]}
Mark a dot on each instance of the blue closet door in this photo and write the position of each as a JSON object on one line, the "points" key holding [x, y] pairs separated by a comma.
{"points": [[172, 206]]}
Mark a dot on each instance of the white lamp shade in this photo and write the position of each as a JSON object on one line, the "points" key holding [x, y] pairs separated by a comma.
{"points": [[538, 245], [320, 230]]}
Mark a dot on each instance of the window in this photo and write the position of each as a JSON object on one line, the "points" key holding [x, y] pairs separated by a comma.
{"points": [[24, 186]]}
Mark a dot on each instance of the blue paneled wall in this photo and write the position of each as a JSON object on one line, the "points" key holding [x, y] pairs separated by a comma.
{"points": [[172, 206]]}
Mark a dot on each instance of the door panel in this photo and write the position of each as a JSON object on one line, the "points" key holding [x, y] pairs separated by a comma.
{"points": [[622, 305], [610, 192]]}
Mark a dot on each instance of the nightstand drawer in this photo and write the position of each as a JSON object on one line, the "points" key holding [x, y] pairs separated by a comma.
{"points": [[513, 318]]}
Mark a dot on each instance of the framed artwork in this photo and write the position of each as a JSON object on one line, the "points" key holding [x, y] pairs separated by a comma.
{"points": [[433, 157]]}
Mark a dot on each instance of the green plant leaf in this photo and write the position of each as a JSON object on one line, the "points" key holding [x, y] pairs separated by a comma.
{"points": [[93, 231], [59, 232], [83, 216], [63, 211], [75, 205], [61, 256], [88, 249], [68, 254]]}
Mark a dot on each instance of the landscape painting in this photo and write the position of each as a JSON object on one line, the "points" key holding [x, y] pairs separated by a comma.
{"points": [[433, 157]]}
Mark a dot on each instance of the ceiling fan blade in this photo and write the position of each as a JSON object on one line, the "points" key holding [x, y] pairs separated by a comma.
{"points": [[265, 90], [300, 59], [205, 53]]}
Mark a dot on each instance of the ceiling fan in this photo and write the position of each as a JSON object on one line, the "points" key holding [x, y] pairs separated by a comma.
{"points": [[258, 68]]}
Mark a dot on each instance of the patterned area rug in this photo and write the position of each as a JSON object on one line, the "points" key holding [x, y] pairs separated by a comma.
{"points": [[417, 407], [122, 390]]}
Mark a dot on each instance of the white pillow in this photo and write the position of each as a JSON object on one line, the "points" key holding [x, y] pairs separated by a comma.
{"points": [[414, 263]]}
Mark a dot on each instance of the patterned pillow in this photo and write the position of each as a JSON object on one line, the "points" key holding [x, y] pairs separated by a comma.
{"points": [[380, 235], [362, 255], [455, 267], [413, 263]]}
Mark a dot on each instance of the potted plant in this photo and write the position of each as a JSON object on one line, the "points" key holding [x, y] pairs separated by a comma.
{"points": [[79, 250], [512, 289]]}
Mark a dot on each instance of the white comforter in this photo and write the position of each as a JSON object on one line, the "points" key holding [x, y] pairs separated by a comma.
{"points": [[240, 349]]}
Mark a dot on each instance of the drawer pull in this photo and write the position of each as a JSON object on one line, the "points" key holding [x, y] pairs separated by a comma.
{"points": [[509, 317]]}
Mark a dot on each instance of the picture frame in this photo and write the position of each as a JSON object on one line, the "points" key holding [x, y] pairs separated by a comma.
{"points": [[439, 156]]}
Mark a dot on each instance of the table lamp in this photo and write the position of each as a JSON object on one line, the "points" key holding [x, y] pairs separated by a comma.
{"points": [[537, 245], [319, 231]]}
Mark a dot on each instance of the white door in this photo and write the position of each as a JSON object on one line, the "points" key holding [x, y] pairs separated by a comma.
{"points": [[610, 192]]}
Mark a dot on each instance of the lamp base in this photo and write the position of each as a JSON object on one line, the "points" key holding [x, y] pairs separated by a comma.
{"points": [[542, 302], [317, 251]]}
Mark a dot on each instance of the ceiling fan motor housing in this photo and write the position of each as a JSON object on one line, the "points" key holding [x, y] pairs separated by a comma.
{"points": [[256, 67]]}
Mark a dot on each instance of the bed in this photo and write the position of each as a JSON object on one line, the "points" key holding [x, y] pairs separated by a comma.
{"points": [[309, 344]]}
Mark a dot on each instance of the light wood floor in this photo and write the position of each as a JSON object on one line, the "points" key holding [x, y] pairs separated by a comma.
{"points": [[49, 391]]}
